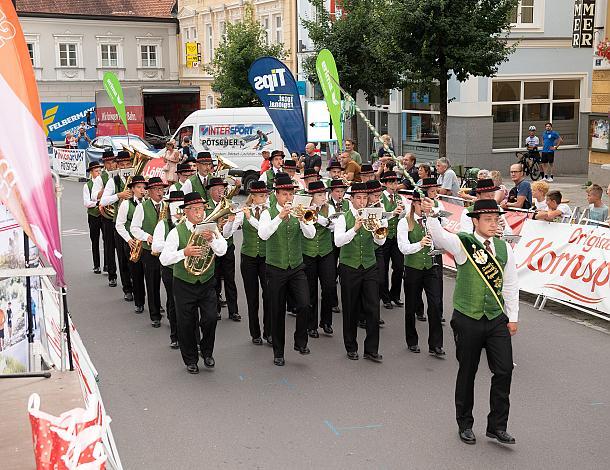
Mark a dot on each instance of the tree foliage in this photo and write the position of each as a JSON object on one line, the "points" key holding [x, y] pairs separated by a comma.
{"points": [[243, 43]]}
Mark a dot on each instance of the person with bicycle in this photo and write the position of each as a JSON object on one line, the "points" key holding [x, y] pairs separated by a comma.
{"points": [[532, 142]]}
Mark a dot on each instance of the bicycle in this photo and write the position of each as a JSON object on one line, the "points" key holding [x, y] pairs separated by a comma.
{"points": [[531, 163]]}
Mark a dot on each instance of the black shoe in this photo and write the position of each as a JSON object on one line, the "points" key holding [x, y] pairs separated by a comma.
{"points": [[375, 357], [421, 317], [258, 341], [353, 356], [156, 323], [304, 350], [442, 320], [313, 333], [222, 302], [209, 362], [388, 305], [235, 317], [105, 269], [381, 322], [414, 349], [501, 436], [192, 369], [174, 345], [328, 330], [161, 309], [467, 437], [438, 352], [112, 283], [336, 309], [97, 271], [139, 309], [292, 312], [398, 302], [362, 324], [218, 317], [128, 296], [278, 361]]}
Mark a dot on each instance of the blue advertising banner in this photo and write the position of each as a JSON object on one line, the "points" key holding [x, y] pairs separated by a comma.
{"points": [[277, 89], [61, 118]]}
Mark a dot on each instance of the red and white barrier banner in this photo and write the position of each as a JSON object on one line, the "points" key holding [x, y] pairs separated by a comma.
{"points": [[154, 167], [566, 262]]}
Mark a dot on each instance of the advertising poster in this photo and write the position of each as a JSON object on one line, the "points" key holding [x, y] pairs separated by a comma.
{"points": [[599, 134], [60, 118], [70, 162], [236, 140]]}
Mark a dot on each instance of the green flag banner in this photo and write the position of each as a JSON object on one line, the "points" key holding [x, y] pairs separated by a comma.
{"points": [[115, 92], [326, 68]]}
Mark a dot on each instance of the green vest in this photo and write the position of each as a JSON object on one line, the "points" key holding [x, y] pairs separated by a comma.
{"points": [[197, 186], [105, 177], [130, 211], [360, 252], [92, 211], [252, 244], [150, 220], [119, 185], [178, 186], [209, 210], [270, 178], [471, 296], [344, 205], [388, 206], [284, 248], [420, 260], [179, 270], [320, 245], [470, 208]]}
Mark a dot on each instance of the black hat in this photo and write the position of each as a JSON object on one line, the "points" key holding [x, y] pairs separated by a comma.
{"points": [[258, 187], [137, 179], [190, 159], [389, 176], [123, 155], [310, 172], [183, 168], [358, 188], [108, 155], [485, 206], [334, 184], [486, 185], [216, 181], [94, 165], [316, 187], [410, 193], [429, 183], [373, 186], [277, 153], [283, 181], [366, 169], [334, 164], [204, 157], [280, 174], [175, 196], [191, 199], [290, 164], [156, 182]]}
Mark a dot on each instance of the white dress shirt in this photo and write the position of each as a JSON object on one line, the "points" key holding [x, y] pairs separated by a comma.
{"points": [[343, 236], [404, 245], [98, 184], [173, 187], [187, 187], [89, 199], [172, 255], [232, 227], [138, 219], [267, 226], [263, 176], [121, 218], [109, 197], [451, 243], [158, 237]]}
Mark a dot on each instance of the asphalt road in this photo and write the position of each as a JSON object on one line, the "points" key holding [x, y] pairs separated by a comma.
{"points": [[322, 410]]}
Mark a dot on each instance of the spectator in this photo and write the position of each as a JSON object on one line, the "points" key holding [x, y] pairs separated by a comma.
{"points": [[598, 211], [350, 147], [171, 157], [521, 195], [532, 141], [551, 140], [83, 140], [539, 192], [385, 140], [187, 149], [502, 193], [408, 161], [447, 180], [351, 169], [423, 171], [311, 159], [69, 140], [266, 164], [471, 194], [556, 211]]}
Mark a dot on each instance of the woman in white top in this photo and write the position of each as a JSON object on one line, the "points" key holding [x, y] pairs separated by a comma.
{"points": [[171, 157]]}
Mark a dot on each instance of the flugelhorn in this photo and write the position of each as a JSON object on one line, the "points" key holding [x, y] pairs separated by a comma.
{"points": [[373, 224], [307, 216]]}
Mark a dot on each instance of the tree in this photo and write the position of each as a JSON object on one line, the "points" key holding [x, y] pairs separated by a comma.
{"points": [[434, 40], [244, 42]]}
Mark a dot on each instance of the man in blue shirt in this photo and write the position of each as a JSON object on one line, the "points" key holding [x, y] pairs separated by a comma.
{"points": [[83, 139], [551, 140]]}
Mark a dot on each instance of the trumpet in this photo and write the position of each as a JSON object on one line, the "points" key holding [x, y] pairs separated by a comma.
{"points": [[373, 224], [307, 216]]}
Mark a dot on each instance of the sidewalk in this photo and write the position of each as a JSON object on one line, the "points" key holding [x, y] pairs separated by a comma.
{"points": [[572, 188]]}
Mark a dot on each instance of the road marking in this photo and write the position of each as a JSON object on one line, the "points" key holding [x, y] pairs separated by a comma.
{"points": [[74, 232], [337, 431], [242, 378]]}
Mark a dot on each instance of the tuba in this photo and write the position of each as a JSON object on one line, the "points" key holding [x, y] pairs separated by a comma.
{"points": [[373, 224], [223, 164]]}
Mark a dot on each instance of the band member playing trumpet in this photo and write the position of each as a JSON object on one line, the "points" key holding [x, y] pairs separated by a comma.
{"points": [[375, 190], [252, 264], [146, 216], [164, 226], [195, 294], [285, 269], [129, 243], [486, 313], [94, 218], [277, 160], [358, 274], [99, 183], [199, 180], [337, 204]]}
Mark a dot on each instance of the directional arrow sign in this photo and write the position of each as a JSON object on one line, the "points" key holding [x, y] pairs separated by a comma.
{"points": [[318, 122]]}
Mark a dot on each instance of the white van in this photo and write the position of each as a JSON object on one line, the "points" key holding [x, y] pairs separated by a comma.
{"points": [[238, 134]]}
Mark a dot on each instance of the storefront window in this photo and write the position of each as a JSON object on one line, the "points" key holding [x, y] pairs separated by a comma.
{"points": [[420, 122]]}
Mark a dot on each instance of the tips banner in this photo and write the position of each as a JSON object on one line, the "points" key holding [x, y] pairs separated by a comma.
{"points": [[326, 69], [277, 89], [115, 93]]}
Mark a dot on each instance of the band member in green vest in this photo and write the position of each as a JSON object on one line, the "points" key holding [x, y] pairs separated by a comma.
{"points": [[375, 190], [358, 274], [421, 274], [485, 189], [277, 161], [252, 264], [366, 172], [199, 180], [114, 193], [486, 312], [337, 204], [309, 176], [94, 218], [99, 183], [394, 204], [320, 265], [184, 172], [145, 218], [285, 269], [195, 295], [174, 214], [124, 218], [225, 264], [334, 172], [290, 168]]}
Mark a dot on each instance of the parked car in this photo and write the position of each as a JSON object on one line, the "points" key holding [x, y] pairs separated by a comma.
{"points": [[99, 144]]}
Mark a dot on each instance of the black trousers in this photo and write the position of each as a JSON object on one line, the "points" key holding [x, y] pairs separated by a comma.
{"points": [[439, 270], [279, 283], [195, 304], [392, 253], [336, 252], [167, 276], [225, 272], [152, 278], [122, 251], [322, 268], [471, 336], [416, 282], [360, 291], [136, 271], [95, 228], [253, 273], [109, 256]]}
